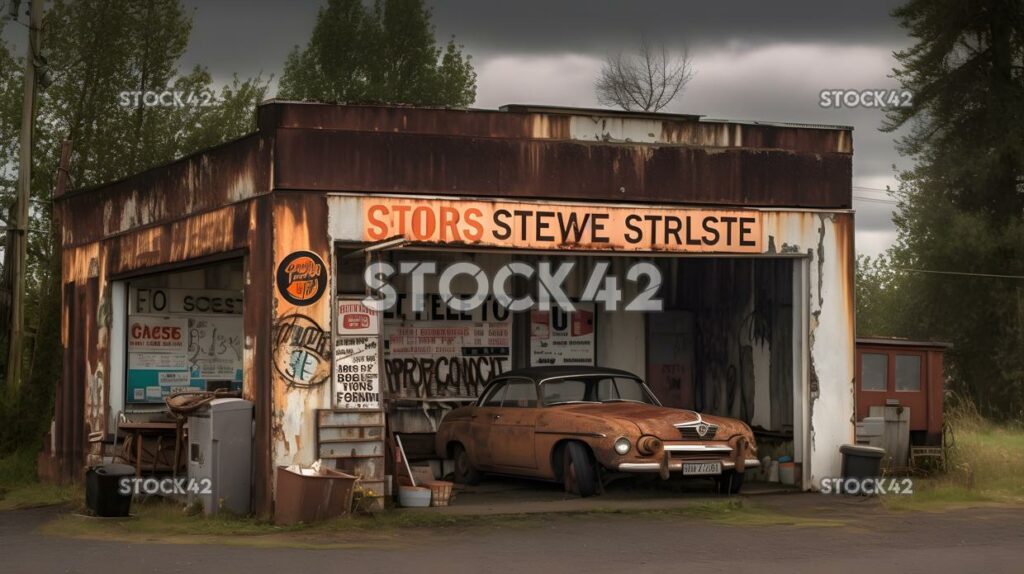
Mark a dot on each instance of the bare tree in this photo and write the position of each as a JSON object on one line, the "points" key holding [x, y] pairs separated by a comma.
{"points": [[646, 81]]}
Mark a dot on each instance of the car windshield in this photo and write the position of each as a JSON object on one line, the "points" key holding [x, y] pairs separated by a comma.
{"points": [[594, 389]]}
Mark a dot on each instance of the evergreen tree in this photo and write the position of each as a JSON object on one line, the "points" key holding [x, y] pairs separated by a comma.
{"points": [[384, 54], [962, 204]]}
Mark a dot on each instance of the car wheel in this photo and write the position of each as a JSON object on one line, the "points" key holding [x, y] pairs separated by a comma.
{"points": [[730, 482], [579, 474], [465, 473]]}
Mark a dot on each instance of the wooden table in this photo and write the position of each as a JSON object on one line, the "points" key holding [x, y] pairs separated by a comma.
{"points": [[134, 445]]}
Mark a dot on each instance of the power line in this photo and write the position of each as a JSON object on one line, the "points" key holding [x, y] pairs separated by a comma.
{"points": [[960, 273], [873, 189], [876, 200]]}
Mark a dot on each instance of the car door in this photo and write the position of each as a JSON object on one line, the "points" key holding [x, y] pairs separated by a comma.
{"points": [[481, 422], [511, 438]]}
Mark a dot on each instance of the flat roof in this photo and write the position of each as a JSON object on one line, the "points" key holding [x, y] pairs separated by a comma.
{"points": [[607, 112], [901, 342]]}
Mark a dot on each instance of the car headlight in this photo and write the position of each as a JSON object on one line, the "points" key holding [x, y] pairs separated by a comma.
{"points": [[622, 445]]}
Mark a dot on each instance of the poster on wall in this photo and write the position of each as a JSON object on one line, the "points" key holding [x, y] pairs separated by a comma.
{"points": [[215, 349], [558, 337], [356, 373], [172, 354], [157, 357], [437, 359], [354, 318]]}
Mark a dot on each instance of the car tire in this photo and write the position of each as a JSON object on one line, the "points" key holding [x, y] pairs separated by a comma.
{"points": [[579, 473], [465, 472], [730, 482]]}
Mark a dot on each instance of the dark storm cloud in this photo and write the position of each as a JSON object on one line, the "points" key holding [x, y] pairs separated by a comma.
{"points": [[593, 26], [247, 37]]}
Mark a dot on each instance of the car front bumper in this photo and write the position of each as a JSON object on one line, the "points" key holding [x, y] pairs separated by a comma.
{"points": [[677, 465]]}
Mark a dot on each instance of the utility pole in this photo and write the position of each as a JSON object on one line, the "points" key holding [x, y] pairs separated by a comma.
{"points": [[17, 258]]}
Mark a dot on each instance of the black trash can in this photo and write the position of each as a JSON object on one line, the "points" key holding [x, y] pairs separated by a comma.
{"points": [[860, 461], [103, 493]]}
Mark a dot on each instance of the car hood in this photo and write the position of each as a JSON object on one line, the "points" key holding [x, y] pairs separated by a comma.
{"points": [[655, 420]]}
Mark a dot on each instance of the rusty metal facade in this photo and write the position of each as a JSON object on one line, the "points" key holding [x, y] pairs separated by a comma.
{"points": [[265, 196]]}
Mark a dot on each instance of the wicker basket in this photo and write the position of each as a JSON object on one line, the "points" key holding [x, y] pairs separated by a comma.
{"points": [[440, 492]]}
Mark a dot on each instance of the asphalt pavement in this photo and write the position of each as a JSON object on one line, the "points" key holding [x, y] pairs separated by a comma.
{"points": [[870, 541]]}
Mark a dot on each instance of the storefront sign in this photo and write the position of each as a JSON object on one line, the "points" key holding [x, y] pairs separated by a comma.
{"points": [[561, 338], [354, 318], [302, 351], [356, 373], [523, 225], [302, 278], [193, 301], [430, 359]]}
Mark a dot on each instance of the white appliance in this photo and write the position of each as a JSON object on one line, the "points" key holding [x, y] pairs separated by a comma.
{"points": [[220, 456]]}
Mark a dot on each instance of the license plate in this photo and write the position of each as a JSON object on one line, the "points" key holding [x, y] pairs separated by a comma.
{"points": [[701, 468]]}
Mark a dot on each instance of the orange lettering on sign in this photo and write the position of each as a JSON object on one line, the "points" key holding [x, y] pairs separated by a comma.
{"points": [[526, 225]]}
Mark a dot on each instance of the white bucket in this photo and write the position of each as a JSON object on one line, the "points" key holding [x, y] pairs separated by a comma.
{"points": [[414, 496]]}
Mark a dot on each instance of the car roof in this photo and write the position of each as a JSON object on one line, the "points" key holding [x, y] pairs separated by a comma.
{"points": [[557, 371]]}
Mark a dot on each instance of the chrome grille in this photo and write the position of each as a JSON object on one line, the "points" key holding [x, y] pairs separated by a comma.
{"points": [[690, 432]]}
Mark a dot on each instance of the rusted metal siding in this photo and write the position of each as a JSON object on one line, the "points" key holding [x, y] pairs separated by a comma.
{"points": [[431, 164], [258, 316], [208, 180], [300, 331], [466, 123], [533, 122]]}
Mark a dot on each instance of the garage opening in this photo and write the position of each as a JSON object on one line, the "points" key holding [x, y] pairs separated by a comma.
{"points": [[724, 342], [180, 330]]}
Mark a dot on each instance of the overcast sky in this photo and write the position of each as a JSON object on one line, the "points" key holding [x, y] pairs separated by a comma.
{"points": [[755, 60]]}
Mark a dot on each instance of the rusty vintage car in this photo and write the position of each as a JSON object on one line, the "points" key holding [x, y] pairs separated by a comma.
{"points": [[583, 425]]}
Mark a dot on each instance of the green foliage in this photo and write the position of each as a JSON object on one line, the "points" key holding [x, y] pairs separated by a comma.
{"points": [[386, 53], [878, 297], [97, 50], [962, 205]]}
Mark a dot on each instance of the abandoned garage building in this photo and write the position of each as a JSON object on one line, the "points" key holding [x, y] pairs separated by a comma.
{"points": [[237, 268]]}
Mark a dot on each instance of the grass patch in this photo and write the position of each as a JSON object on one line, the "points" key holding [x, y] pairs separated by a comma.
{"points": [[40, 494], [985, 466], [166, 522], [20, 489], [17, 468]]}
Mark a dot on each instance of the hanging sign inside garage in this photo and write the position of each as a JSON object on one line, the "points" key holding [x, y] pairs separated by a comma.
{"points": [[158, 300], [549, 226], [558, 337]]}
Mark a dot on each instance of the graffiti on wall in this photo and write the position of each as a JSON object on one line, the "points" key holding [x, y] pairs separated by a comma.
{"points": [[302, 351], [444, 358]]}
